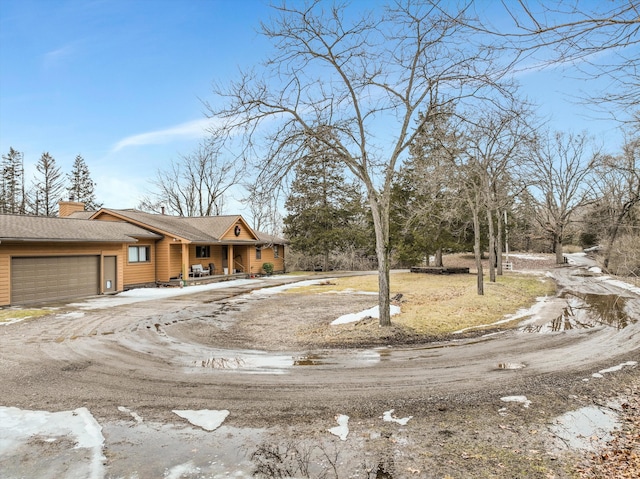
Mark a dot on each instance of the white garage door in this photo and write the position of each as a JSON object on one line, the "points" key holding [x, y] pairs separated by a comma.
{"points": [[50, 278]]}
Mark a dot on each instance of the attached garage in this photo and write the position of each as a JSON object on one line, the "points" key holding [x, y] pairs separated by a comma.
{"points": [[50, 278]]}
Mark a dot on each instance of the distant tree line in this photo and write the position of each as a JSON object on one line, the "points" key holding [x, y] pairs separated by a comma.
{"points": [[483, 184], [40, 194]]}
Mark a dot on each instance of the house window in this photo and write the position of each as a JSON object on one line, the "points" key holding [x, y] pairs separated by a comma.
{"points": [[203, 251], [258, 253], [139, 254], [276, 251]]}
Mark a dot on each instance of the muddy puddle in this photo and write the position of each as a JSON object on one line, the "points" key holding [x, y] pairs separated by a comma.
{"points": [[273, 363], [585, 311], [585, 429]]}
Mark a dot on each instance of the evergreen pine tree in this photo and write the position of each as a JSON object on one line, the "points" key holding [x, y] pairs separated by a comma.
{"points": [[81, 186], [47, 188], [325, 212], [12, 197]]}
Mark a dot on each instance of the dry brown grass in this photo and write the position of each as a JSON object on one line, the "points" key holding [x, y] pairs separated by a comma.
{"points": [[12, 315], [435, 305]]}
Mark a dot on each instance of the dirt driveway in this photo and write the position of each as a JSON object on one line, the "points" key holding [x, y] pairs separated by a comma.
{"points": [[474, 406]]}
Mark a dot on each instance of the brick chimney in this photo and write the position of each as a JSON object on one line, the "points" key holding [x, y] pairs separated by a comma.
{"points": [[67, 208]]}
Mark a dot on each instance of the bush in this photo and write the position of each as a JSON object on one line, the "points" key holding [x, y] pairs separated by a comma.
{"points": [[268, 268]]}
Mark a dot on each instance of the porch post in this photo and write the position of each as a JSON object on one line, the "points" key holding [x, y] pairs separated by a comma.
{"points": [[230, 260], [185, 261]]}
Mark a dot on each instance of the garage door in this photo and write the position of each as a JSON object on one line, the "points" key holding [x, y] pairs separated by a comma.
{"points": [[53, 277]]}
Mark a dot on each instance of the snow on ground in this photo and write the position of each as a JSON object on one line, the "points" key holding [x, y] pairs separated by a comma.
{"points": [[587, 429], [285, 287], [133, 414], [521, 313], [527, 256], [342, 429], [18, 427], [613, 369], [207, 419], [519, 399], [619, 284], [388, 416], [367, 313], [146, 294]]}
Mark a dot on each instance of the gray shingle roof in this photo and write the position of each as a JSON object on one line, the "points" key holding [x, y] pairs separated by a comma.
{"points": [[43, 228], [197, 229]]}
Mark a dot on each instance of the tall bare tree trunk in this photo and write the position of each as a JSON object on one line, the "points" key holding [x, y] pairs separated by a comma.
{"points": [[438, 257], [477, 249], [380, 213], [499, 242], [492, 247], [557, 247]]}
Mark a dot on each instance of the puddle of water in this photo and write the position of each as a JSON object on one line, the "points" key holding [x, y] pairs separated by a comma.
{"points": [[222, 363], [310, 360], [584, 311], [262, 362], [511, 366], [586, 429]]}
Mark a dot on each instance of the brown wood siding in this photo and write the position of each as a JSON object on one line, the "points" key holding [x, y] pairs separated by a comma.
{"points": [[163, 259], [175, 266], [215, 257], [245, 234], [267, 257], [140, 273], [9, 250], [5, 269]]}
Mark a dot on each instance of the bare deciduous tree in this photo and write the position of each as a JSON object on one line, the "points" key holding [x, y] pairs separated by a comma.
{"points": [[194, 185], [618, 182], [561, 172], [357, 86], [600, 39]]}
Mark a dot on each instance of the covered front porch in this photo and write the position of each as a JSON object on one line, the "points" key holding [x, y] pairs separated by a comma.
{"points": [[197, 280], [201, 263]]}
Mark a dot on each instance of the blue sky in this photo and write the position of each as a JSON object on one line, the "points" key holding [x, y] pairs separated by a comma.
{"points": [[120, 82]]}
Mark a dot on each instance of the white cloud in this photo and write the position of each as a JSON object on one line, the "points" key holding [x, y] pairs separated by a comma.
{"points": [[189, 130], [55, 57]]}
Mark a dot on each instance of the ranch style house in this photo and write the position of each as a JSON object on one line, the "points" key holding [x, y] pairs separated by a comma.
{"points": [[85, 253]]}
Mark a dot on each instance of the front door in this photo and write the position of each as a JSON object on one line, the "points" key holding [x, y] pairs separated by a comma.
{"points": [[225, 259], [109, 285]]}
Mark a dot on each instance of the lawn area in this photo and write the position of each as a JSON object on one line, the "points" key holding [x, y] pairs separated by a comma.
{"points": [[14, 315], [437, 305]]}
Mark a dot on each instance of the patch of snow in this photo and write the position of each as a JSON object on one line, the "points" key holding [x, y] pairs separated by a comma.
{"points": [[133, 414], [367, 313], [586, 429], [181, 470], [18, 426], [207, 419], [519, 399], [342, 429], [146, 294], [527, 256], [613, 369], [285, 287], [622, 285], [13, 320], [521, 313], [595, 269], [388, 416], [73, 315]]}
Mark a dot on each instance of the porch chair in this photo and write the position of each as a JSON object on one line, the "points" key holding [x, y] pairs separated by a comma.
{"points": [[197, 270]]}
